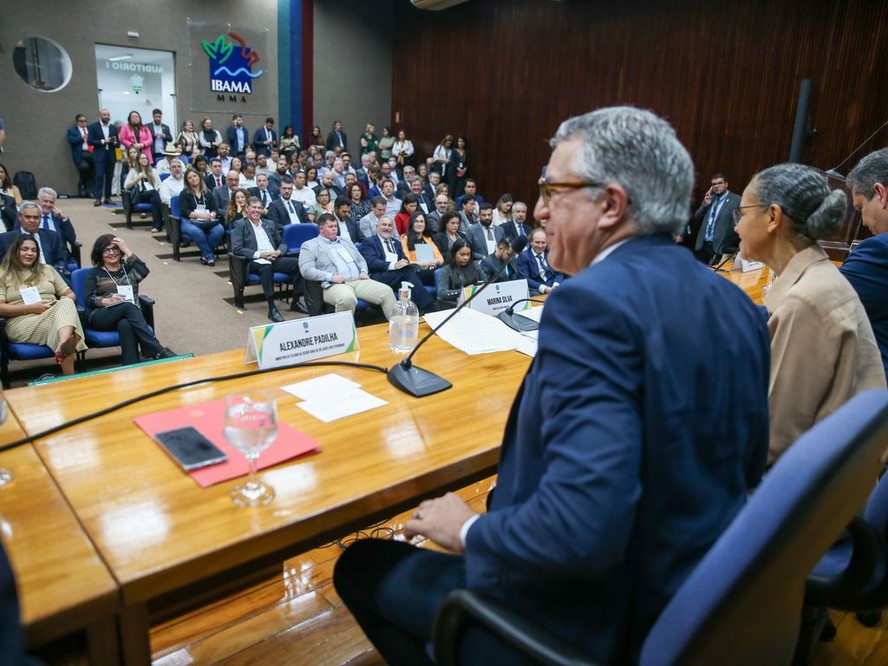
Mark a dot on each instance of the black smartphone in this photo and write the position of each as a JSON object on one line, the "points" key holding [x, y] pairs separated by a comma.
{"points": [[190, 449]]}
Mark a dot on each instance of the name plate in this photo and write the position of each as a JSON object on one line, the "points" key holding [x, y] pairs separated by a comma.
{"points": [[292, 342], [745, 265], [497, 297]]}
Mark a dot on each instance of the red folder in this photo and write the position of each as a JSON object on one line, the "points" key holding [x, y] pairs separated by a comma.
{"points": [[209, 420]]}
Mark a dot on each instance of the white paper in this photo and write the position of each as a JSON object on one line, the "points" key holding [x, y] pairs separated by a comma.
{"points": [[528, 345], [534, 314], [345, 404], [325, 386], [30, 295], [424, 254], [474, 332], [127, 292]]}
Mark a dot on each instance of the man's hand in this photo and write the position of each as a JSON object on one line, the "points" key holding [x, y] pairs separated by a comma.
{"points": [[363, 276], [401, 263], [440, 520], [337, 279]]}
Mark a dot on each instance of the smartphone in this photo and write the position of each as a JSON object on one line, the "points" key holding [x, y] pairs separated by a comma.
{"points": [[190, 449]]}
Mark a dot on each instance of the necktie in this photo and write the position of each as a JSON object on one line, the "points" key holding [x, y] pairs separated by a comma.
{"points": [[520, 229], [489, 234], [542, 264], [218, 181], [290, 206], [388, 242], [46, 222], [264, 199]]}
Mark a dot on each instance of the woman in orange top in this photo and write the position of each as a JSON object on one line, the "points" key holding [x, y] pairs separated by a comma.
{"points": [[417, 234]]}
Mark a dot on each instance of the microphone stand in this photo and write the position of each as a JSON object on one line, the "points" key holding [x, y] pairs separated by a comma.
{"points": [[517, 322], [419, 382]]}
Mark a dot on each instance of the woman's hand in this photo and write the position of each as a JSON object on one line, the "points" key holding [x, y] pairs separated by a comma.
{"points": [[113, 300], [40, 307], [122, 246]]}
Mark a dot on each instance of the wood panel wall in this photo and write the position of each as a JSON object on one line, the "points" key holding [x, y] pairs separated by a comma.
{"points": [[727, 75]]}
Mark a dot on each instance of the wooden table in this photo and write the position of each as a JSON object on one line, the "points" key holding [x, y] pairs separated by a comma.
{"points": [[163, 537], [64, 587], [753, 282]]}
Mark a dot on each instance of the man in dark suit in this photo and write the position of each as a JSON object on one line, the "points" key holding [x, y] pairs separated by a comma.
{"points": [[215, 178], [866, 268], [483, 237], [258, 241], [102, 136], [81, 155], [222, 195], [518, 225], [8, 211], [715, 218], [265, 138], [161, 136], [237, 136], [386, 263], [51, 218], [612, 483], [264, 192], [52, 251], [501, 259], [471, 190], [533, 265], [285, 209], [348, 226], [337, 138]]}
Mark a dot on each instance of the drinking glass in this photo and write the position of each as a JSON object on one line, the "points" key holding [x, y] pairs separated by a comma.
{"points": [[251, 426], [5, 474]]}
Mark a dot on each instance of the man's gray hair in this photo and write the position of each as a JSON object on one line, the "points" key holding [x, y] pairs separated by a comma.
{"points": [[176, 160], [28, 204], [639, 151], [47, 190], [870, 170]]}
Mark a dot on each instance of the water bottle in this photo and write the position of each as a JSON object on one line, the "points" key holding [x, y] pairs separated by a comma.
{"points": [[404, 324]]}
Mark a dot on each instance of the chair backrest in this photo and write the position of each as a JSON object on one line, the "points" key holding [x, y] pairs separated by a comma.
{"points": [[78, 286], [296, 234], [175, 211], [164, 176], [743, 601]]}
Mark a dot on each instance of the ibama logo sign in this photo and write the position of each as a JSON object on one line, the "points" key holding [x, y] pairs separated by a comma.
{"points": [[231, 65]]}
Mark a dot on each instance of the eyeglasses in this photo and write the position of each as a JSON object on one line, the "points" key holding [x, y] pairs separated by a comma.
{"points": [[738, 211], [111, 250], [547, 189]]}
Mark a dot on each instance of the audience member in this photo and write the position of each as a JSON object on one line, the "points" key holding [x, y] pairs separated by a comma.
{"points": [[387, 263], [7, 187], [53, 219], [369, 140], [289, 142], [386, 142], [417, 235], [112, 297], [8, 211], [142, 184], [229, 161], [409, 205], [173, 186], [287, 209], [316, 139], [237, 136], [135, 135], [37, 303], [715, 219], [483, 236], [187, 140], [337, 138], [348, 226], [221, 195], [367, 225], [502, 212], [302, 192], [441, 158], [596, 520], [162, 161], [209, 139], [866, 268], [237, 207], [533, 265], [459, 272], [501, 259], [336, 263], [518, 225], [200, 216], [81, 155], [402, 151], [460, 161], [470, 190], [265, 138], [161, 136], [103, 137], [442, 205], [392, 203], [450, 232], [215, 178], [258, 241], [50, 244], [324, 204], [823, 351], [263, 192]]}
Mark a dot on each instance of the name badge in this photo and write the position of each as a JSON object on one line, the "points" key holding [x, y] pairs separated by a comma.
{"points": [[390, 257], [127, 292], [30, 295], [200, 207]]}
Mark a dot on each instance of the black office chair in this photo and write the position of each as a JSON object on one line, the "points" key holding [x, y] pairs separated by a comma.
{"points": [[743, 602]]}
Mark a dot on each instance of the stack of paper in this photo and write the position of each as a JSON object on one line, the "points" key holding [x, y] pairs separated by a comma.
{"points": [[331, 397]]}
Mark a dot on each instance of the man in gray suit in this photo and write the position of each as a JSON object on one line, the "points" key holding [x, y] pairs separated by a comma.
{"points": [[483, 237], [715, 220], [336, 263], [258, 241]]}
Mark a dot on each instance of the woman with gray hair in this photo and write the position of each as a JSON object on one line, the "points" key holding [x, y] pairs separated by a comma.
{"points": [[823, 351]]}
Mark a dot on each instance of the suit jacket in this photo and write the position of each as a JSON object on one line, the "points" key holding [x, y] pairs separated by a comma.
{"points": [[477, 235], [278, 213], [165, 130], [210, 180], [95, 136], [75, 138], [333, 141], [374, 251], [316, 261], [220, 197], [490, 265], [641, 446], [527, 268], [243, 240], [51, 243], [352, 225], [63, 227], [8, 211], [259, 139], [272, 193], [724, 238], [510, 229], [866, 268], [231, 139]]}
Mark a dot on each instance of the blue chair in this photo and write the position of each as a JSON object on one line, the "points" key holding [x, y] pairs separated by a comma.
{"points": [[743, 602], [174, 226], [18, 351], [129, 207], [296, 234], [97, 339], [164, 176]]}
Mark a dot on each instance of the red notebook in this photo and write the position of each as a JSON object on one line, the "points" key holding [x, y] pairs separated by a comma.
{"points": [[209, 420]]}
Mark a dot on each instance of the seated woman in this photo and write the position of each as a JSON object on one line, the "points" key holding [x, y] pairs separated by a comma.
{"points": [[459, 272], [409, 205], [236, 207], [417, 235], [142, 184], [321, 206], [360, 204], [502, 212], [112, 291], [450, 232], [200, 220], [38, 304], [823, 351]]}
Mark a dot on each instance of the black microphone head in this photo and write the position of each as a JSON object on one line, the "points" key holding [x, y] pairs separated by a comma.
{"points": [[519, 244]]}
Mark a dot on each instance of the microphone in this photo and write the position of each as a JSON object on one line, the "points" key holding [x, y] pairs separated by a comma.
{"points": [[519, 323], [718, 269], [834, 172], [418, 382]]}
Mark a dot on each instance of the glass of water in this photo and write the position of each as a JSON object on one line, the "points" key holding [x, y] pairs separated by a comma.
{"points": [[5, 474], [251, 426]]}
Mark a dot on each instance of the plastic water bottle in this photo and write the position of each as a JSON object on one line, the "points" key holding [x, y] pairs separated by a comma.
{"points": [[404, 324]]}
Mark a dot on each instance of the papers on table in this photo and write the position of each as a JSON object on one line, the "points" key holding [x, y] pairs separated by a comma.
{"points": [[474, 332], [534, 314], [332, 397]]}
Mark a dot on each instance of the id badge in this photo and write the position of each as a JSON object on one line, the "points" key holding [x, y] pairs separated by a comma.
{"points": [[30, 295], [127, 292]]}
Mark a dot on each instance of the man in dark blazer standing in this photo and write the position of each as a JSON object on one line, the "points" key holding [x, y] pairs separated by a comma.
{"points": [[265, 138], [627, 450], [866, 268], [533, 265], [258, 242], [386, 263], [102, 136], [715, 219], [237, 136], [337, 138], [81, 155]]}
